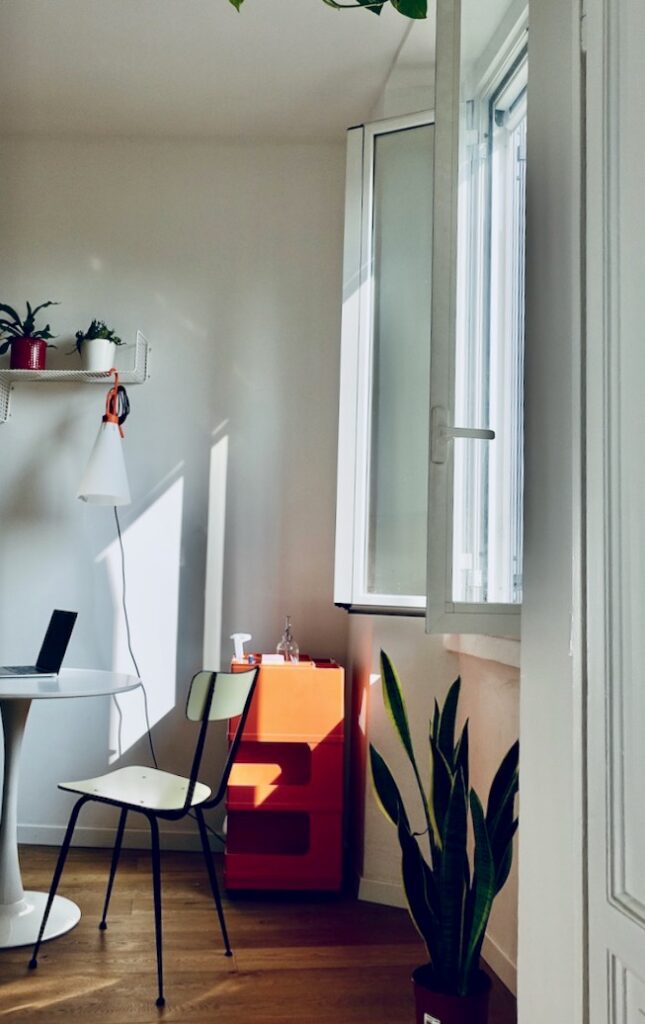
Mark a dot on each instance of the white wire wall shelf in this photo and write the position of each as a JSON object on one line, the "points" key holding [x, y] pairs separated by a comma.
{"points": [[136, 372]]}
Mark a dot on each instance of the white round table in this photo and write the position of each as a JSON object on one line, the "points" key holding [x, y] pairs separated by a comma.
{"points": [[21, 912]]}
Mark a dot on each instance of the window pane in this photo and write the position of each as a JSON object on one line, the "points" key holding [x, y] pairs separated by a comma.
{"points": [[402, 242], [488, 481]]}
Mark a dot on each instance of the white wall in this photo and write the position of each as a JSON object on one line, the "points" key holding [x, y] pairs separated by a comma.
{"points": [[228, 257], [551, 934]]}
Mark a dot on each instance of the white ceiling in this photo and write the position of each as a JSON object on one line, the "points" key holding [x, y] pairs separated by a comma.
{"points": [[279, 69]]}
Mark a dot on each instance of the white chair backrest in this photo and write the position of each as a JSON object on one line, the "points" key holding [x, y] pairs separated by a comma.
{"points": [[229, 696]]}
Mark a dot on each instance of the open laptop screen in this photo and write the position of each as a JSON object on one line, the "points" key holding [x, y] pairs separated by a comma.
{"points": [[56, 640]]}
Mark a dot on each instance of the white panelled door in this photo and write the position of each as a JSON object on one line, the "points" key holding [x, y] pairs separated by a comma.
{"points": [[615, 34]]}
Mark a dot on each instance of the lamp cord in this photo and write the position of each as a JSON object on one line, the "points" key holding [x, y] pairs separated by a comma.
{"points": [[128, 633]]}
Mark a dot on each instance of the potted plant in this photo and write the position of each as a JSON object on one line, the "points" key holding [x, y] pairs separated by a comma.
{"points": [[28, 345], [409, 8], [95, 346], [449, 893]]}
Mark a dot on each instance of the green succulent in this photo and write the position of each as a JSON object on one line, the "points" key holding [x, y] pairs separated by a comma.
{"points": [[408, 8], [450, 895], [97, 329], [15, 327]]}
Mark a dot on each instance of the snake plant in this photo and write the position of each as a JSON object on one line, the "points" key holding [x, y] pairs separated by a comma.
{"points": [[409, 8], [15, 327], [450, 894]]}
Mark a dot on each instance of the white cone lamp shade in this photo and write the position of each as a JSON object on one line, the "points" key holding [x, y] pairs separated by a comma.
{"points": [[105, 480]]}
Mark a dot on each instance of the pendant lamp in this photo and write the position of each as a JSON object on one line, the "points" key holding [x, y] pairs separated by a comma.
{"points": [[105, 480]]}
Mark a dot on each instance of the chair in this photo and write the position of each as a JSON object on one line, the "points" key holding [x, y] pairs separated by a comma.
{"points": [[213, 696]]}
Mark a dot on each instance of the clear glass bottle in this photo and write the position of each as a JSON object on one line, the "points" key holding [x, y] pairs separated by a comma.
{"points": [[288, 646]]}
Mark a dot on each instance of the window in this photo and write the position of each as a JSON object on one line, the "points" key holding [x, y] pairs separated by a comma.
{"points": [[476, 479], [383, 438], [429, 510]]}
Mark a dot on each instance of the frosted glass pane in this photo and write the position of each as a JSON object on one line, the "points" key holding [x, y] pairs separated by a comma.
{"points": [[402, 241]]}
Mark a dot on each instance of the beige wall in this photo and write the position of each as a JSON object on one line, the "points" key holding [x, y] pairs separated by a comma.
{"points": [[228, 257], [490, 699]]}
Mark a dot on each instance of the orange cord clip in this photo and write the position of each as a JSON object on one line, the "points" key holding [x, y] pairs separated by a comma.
{"points": [[112, 403]]}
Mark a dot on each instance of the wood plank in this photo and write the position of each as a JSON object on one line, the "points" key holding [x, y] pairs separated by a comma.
{"points": [[317, 959]]}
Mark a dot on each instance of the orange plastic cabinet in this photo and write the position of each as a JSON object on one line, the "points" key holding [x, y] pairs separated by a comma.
{"points": [[285, 795]]}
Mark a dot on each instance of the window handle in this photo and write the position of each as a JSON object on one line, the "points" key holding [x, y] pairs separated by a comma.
{"points": [[442, 432]]}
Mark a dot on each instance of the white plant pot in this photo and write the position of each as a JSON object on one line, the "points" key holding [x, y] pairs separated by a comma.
{"points": [[97, 355]]}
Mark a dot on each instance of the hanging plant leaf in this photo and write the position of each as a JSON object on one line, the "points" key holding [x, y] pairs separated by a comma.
{"points": [[411, 8]]}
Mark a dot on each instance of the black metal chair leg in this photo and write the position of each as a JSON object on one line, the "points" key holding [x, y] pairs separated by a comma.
{"points": [[116, 852], [156, 888], [60, 864], [210, 867]]}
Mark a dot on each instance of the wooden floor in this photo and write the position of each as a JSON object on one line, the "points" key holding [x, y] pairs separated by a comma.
{"points": [[324, 961]]}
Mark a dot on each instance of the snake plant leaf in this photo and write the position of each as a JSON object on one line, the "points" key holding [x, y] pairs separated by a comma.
{"points": [[237, 4], [395, 706], [499, 834], [420, 893], [452, 894], [395, 703], [4, 347], [441, 787], [503, 789], [436, 720], [386, 789], [504, 859], [446, 740], [483, 894], [461, 756]]}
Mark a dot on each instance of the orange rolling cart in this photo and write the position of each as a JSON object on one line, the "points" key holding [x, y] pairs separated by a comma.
{"points": [[285, 795]]}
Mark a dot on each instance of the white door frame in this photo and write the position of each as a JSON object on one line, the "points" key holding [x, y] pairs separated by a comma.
{"points": [[552, 911], [614, 501]]}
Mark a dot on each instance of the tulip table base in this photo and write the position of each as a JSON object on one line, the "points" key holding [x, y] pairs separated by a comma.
{"points": [[21, 912], [19, 922]]}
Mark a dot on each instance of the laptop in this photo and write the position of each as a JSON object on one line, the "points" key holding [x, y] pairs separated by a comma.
{"points": [[52, 651]]}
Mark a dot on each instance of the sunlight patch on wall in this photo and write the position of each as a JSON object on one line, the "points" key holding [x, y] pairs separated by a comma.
{"points": [[215, 554], [152, 545]]}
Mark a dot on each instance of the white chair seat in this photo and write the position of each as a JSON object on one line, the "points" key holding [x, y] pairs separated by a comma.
{"points": [[147, 788]]}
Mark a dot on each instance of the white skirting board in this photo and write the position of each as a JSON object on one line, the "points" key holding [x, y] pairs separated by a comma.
{"points": [[391, 895], [182, 840]]}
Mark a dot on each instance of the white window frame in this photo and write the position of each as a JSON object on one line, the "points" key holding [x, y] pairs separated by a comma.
{"points": [[444, 615], [357, 351]]}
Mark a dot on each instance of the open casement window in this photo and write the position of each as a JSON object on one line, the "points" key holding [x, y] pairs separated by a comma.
{"points": [[476, 380], [381, 521]]}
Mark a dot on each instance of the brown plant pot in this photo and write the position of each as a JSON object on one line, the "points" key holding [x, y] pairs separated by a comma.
{"points": [[28, 354], [438, 1008]]}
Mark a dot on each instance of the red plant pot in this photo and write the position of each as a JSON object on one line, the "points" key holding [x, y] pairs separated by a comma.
{"points": [[28, 354], [438, 1008]]}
